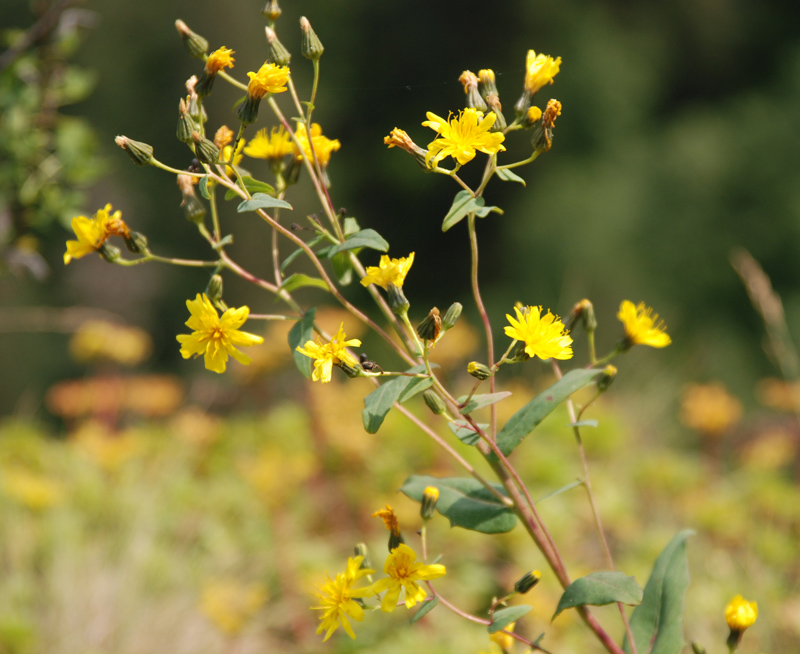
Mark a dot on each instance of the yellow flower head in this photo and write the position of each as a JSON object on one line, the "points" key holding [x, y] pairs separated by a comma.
{"points": [[337, 600], [642, 326], [460, 136], [219, 59], [505, 641], [544, 336], [270, 78], [231, 604], [404, 572], [226, 153], [274, 146], [540, 70], [740, 614], [398, 138], [389, 519], [327, 355], [323, 146], [214, 337], [388, 271], [709, 409], [93, 232]]}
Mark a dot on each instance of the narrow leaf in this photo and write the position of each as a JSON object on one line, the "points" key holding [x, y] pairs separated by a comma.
{"points": [[417, 385], [524, 421], [480, 401], [366, 238], [312, 243], [426, 608], [657, 623], [504, 617], [465, 503], [257, 186], [299, 335], [464, 431], [262, 201], [599, 589], [204, 187], [463, 205], [299, 280], [508, 176], [485, 211], [585, 423], [378, 403]]}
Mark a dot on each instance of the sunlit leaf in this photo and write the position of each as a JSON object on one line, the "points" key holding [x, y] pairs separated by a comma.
{"points": [[599, 589]]}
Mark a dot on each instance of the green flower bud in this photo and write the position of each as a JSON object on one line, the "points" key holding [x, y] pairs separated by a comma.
{"points": [[523, 104], [500, 121], [397, 300], [429, 328], [311, 46], [278, 54], [486, 84], [451, 317], [395, 540], [429, 499], [470, 83], [136, 242], [272, 11], [434, 402], [214, 288], [479, 370], [518, 354], [185, 123], [248, 110], [195, 44], [606, 378], [109, 252], [527, 582], [140, 153], [204, 84], [193, 209], [205, 150]]}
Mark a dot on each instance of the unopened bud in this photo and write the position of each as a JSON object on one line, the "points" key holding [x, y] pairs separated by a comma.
{"points": [[479, 370], [109, 252], [494, 104], [486, 83], [523, 104], [311, 46], [606, 378], [278, 54], [398, 300], [362, 550], [532, 117], [527, 582], [451, 317], [214, 288], [140, 153], [272, 11], [583, 311], [429, 328], [395, 540], [185, 123], [136, 242], [195, 44], [429, 499], [470, 82], [434, 402], [193, 210], [205, 149]]}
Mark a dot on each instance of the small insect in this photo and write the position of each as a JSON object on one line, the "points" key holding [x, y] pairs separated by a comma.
{"points": [[366, 364]]}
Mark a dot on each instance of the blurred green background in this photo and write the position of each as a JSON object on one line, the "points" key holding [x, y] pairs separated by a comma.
{"points": [[678, 143]]}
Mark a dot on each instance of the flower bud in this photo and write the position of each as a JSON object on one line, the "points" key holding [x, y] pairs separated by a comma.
{"points": [[193, 210], [429, 499], [351, 370], [205, 149], [451, 317], [429, 328], [109, 252], [248, 110], [434, 402], [542, 139], [398, 300], [136, 242], [214, 288], [362, 550], [494, 104], [395, 540], [523, 104], [271, 11], [583, 310], [470, 83], [531, 118], [740, 615], [140, 153], [277, 53], [606, 377], [479, 370], [195, 44], [487, 84], [185, 123], [527, 582], [311, 46], [518, 354]]}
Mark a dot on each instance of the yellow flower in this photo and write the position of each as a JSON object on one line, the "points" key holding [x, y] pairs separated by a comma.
{"points": [[544, 336], [740, 614], [642, 326], [461, 136], [323, 146], [540, 70], [709, 409], [237, 156], [337, 596], [93, 232], [231, 604], [216, 337], [327, 355], [270, 78], [404, 572], [389, 519], [275, 146], [505, 641], [219, 59], [32, 489], [388, 271]]}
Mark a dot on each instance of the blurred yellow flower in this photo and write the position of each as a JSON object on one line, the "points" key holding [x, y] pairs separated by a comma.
{"points": [[93, 232], [460, 136], [544, 336], [505, 641], [323, 146], [226, 154], [219, 59], [337, 597], [404, 572], [327, 355], [389, 519], [104, 448], [270, 78], [642, 326], [739, 614], [709, 409], [274, 147], [230, 604], [103, 340], [32, 489], [540, 70], [388, 271]]}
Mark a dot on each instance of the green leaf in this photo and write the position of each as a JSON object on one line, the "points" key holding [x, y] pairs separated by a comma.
{"points": [[464, 431], [262, 201], [485, 211], [657, 623], [465, 503], [504, 617], [463, 205], [599, 589], [204, 187], [257, 186], [366, 238], [480, 401], [524, 421], [312, 243], [417, 385], [299, 335], [350, 226], [426, 608], [299, 280], [378, 403], [586, 423], [342, 268], [507, 176]]}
